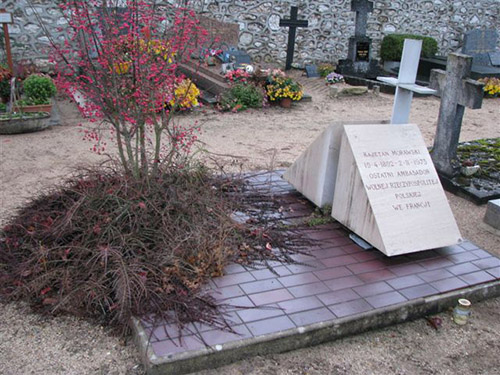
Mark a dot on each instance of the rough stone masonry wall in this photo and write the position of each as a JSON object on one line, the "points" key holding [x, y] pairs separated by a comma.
{"points": [[331, 23]]}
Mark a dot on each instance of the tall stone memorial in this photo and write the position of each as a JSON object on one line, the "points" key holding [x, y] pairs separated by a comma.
{"points": [[457, 91], [359, 60]]}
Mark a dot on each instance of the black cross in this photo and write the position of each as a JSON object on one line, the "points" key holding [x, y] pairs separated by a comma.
{"points": [[292, 23]]}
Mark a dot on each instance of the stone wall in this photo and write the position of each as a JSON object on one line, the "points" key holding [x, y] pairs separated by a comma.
{"points": [[331, 23]]}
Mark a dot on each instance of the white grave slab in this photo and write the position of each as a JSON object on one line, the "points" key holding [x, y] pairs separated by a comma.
{"points": [[315, 171], [388, 192]]}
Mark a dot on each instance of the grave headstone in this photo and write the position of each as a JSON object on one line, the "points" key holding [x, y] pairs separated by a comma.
{"points": [[492, 216], [494, 58], [388, 192], [292, 23], [312, 71], [456, 92], [315, 171], [405, 83], [479, 43], [359, 61]]}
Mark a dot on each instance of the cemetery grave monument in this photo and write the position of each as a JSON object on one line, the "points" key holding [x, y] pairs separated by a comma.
{"points": [[292, 23], [359, 60], [386, 189]]}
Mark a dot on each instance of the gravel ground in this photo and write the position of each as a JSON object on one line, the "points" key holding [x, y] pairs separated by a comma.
{"points": [[30, 344]]}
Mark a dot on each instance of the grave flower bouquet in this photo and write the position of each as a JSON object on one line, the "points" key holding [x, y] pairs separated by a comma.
{"points": [[333, 78], [237, 76], [491, 87], [283, 87], [185, 95]]}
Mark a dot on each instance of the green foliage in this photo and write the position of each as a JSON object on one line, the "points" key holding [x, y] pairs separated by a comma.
{"points": [[391, 48], [5, 77], [3, 107], [325, 69], [38, 89], [240, 97]]}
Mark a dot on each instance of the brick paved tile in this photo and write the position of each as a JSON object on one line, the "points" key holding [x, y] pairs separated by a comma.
{"points": [[344, 282], [259, 313], [164, 348], [373, 289], [308, 267], [448, 250], [463, 268], [407, 269], [418, 291], [481, 253], [486, 263], [221, 337], [405, 282], [327, 253], [312, 316], [271, 325], [261, 286], [267, 274], [435, 275], [233, 279], [300, 279], [273, 296], [385, 299], [350, 308], [339, 296], [433, 264], [447, 285], [372, 265], [495, 272], [332, 273], [341, 260], [380, 275], [468, 245], [466, 256], [308, 289], [477, 277], [300, 304], [227, 292]]}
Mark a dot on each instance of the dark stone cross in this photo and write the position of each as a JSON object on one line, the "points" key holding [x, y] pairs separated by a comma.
{"points": [[362, 8], [292, 23], [456, 92]]}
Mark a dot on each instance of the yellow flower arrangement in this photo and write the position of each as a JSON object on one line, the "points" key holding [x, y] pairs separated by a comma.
{"points": [[491, 86], [283, 87], [185, 95]]}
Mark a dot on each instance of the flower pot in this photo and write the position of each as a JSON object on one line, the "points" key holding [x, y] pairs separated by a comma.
{"points": [[34, 108], [286, 102], [24, 125]]}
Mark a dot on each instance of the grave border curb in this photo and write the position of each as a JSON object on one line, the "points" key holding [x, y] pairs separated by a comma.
{"points": [[313, 334]]}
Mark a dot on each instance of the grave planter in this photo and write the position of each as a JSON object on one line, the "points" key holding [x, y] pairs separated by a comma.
{"points": [[286, 102], [24, 124], [33, 108]]}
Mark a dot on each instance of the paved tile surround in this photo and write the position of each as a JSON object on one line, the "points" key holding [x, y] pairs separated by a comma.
{"points": [[340, 280]]}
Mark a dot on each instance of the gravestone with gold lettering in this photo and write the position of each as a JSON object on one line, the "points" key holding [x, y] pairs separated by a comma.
{"points": [[388, 192]]}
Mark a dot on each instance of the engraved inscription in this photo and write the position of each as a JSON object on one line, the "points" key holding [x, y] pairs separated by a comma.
{"points": [[403, 173]]}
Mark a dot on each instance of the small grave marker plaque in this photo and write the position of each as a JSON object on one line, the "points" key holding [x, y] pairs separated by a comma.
{"points": [[388, 192], [312, 71], [362, 51]]}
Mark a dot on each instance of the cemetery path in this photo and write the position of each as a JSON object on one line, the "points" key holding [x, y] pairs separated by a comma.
{"points": [[265, 139]]}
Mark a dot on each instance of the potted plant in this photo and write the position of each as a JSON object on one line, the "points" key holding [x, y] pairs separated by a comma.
{"points": [[38, 90], [283, 89]]}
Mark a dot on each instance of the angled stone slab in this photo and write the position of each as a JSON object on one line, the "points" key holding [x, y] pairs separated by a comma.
{"points": [[388, 192], [314, 173]]}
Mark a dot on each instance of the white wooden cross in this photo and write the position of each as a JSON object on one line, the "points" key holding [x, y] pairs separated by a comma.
{"points": [[405, 83]]}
